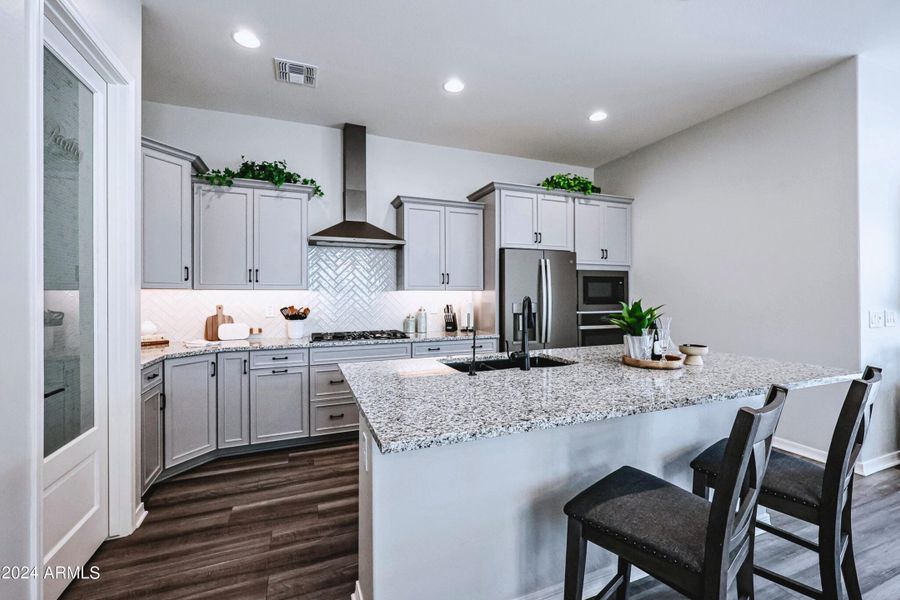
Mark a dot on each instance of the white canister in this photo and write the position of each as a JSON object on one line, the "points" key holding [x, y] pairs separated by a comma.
{"points": [[421, 320], [296, 329]]}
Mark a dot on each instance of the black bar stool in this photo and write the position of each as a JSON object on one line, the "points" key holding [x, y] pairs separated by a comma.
{"points": [[807, 491], [698, 548]]}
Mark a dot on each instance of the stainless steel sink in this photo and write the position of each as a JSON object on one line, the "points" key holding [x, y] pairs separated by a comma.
{"points": [[499, 364]]}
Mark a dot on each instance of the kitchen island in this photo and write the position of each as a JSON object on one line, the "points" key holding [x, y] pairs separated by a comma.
{"points": [[463, 479]]}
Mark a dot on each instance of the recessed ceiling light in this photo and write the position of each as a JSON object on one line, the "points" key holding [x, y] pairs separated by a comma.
{"points": [[246, 38], [598, 116], [454, 85]]}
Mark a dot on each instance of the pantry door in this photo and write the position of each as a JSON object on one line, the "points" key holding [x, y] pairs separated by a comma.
{"points": [[75, 487]]}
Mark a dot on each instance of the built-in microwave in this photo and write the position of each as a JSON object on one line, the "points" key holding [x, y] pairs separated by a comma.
{"points": [[599, 294]]}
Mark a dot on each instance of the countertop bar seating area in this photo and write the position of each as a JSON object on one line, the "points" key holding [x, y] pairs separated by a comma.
{"points": [[450, 300]]}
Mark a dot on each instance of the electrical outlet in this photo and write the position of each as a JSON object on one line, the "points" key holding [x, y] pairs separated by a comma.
{"points": [[270, 311], [890, 318], [876, 319]]}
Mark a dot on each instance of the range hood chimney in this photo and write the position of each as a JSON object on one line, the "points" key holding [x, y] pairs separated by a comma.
{"points": [[354, 231]]}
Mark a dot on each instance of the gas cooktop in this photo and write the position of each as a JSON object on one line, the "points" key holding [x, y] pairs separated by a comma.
{"points": [[349, 336]]}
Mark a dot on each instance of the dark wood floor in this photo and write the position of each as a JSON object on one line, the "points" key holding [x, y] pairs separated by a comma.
{"points": [[270, 526], [284, 525]]}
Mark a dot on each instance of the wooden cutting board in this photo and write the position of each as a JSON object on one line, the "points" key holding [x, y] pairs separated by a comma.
{"points": [[211, 332]]}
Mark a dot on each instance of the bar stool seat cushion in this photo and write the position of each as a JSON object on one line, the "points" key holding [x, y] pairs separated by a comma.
{"points": [[648, 513], [787, 477]]}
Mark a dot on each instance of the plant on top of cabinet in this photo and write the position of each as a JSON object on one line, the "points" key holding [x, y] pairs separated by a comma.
{"points": [[571, 183], [274, 172]]}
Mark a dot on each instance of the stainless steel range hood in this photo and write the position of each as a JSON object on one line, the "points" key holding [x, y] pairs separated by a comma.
{"points": [[354, 231]]}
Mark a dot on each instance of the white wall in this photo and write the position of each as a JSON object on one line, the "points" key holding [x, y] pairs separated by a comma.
{"points": [[745, 227], [879, 214], [394, 167]]}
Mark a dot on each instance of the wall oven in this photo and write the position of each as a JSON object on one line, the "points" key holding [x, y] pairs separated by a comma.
{"points": [[599, 294]]}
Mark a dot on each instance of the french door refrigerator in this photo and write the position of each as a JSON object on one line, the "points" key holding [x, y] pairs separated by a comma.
{"points": [[548, 277]]}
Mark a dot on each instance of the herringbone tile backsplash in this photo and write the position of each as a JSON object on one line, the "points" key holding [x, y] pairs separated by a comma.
{"points": [[349, 289]]}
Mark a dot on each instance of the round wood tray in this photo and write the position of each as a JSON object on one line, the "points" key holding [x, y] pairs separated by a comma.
{"points": [[673, 361]]}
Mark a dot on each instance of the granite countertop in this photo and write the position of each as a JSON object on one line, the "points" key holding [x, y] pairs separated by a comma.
{"points": [[152, 356], [421, 403]]}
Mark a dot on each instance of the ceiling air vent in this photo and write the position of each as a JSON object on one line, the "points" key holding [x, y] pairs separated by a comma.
{"points": [[295, 72]]}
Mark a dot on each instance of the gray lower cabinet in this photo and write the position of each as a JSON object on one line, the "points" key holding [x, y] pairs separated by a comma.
{"points": [[190, 412], [332, 408], [233, 399], [152, 404], [279, 404]]}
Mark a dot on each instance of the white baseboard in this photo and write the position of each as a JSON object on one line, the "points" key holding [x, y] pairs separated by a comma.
{"points": [[593, 583], [863, 467], [140, 513]]}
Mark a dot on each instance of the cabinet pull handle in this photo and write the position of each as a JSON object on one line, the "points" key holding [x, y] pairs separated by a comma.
{"points": [[443, 278], [245, 366], [336, 381], [213, 369], [276, 371], [448, 278], [280, 357], [340, 416], [257, 276], [249, 275], [540, 237], [535, 237], [187, 273], [434, 349], [152, 376], [162, 402]]}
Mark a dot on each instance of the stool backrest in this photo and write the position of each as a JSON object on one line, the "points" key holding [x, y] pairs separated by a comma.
{"points": [[848, 438], [733, 509]]}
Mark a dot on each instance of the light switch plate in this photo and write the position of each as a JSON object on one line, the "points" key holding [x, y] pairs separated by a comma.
{"points": [[876, 319], [890, 318], [270, 311]]}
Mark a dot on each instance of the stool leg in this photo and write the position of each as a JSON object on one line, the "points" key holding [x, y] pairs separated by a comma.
{"points": [[576, 550], [830, 563], [744, 577], [699, 487], [625, 574], [848, 567]]}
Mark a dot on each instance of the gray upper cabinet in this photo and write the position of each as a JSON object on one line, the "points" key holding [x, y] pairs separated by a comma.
{"points": [[279, 239], [603, 232], [223, 237], [233, 399], [536, 220], [279, 404], [250, 236], [190, 413], [151, 434], [166, 257], [444, 248]]}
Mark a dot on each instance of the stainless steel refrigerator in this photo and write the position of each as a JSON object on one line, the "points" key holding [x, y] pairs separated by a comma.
{"points": [[548, 277]]}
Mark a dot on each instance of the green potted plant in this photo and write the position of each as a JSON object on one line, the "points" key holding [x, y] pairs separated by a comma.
{"points": [[274, 172], [570, 183], [634, 321]]}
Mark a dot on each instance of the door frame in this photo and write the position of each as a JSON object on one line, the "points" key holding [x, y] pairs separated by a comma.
{"points": [[122, 274]]}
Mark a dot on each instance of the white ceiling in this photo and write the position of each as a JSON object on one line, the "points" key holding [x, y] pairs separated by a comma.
{"points": [[533, 69]]}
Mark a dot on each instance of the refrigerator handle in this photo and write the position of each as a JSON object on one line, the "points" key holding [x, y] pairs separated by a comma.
{"points": [[540, 300], [548, 300]]}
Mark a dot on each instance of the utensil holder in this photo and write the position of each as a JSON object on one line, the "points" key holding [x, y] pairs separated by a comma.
{"points": [[296, 329]]}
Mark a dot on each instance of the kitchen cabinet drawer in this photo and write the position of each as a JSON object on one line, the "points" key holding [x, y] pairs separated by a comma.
{"points": [[151, 376], [279, 404], [452, 347], [333, 417], [327, 381], [339, 354], [265, 359]]}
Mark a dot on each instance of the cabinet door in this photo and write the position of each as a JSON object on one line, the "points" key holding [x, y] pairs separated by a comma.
{"points": [[166, 221], [151, 436], [190, 413], [617, 233], [223, 238], [423, 254], [279, 240], [233, 399], [464, 248], [556, 223], [279, 404], [589, 242], [518, 219]]}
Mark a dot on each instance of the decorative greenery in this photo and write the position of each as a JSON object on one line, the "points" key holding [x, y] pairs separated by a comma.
{"points": [[273, 172], [571, 183], [634, 319]]}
